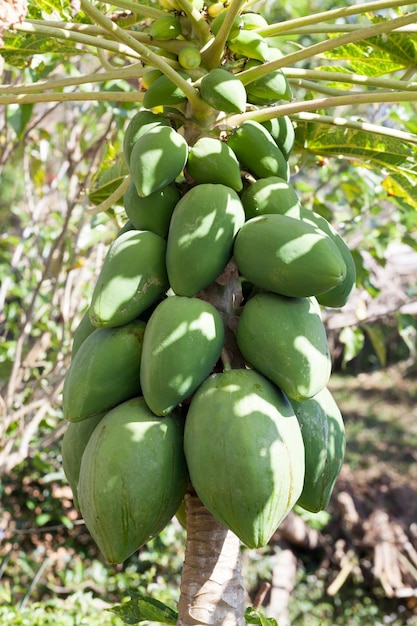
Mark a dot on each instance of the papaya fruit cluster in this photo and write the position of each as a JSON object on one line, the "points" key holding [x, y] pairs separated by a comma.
{"points": [[151, 397]]}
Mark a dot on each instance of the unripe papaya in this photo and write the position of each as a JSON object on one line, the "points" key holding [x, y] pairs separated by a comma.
{"points": [[200, 238], [140, 123], [253, 21], [83, 330], [212, 161], [151, 212], [270, 195], [288, 256], [285, 339], [323, 434], [282, 131], [132, 278], [189, 57], [149, 77], [218, 21], [247, 43], [104, 372], [157, 158], [182, 343], [245, 453], [269, 88], [339, 295], [132, 478], [257, 151], [73, 445], [166, 27], [223, 91], [164, 91]]}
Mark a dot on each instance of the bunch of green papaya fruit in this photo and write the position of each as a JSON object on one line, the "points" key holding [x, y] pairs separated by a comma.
{"points": [[203, 358]]}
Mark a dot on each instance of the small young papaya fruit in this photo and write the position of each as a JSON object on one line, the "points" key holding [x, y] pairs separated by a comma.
{"points": [[200, 237], [151, 212], [245, 453], [213, 161], [104, 372], [223, 91], [218, 21], [257, 151], [270, 195], [268, 89], [166, 27], [182, 343], [189, 57], [288, 256], [285, 339], [163, 91], [132, 478], [157, 158], [247, 43], [323, 433], [132, 278]]}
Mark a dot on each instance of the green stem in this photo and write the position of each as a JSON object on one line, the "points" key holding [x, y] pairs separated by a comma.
{"points": [[333, 14], [200, 26], [86, 96], [355, 79], [212, 56], [142, 50], [356, 99], [247, 76], [354, 125], [335, 28], [112, 199], [138, 8], [133, 71], [76, 37], [310, 85]]}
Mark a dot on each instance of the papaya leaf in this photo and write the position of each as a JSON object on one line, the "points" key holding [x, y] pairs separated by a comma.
{"points": [[107, 179], [257, 616], [143, 608], [19, 48], [353, 339], [20, 119], [357, 145], [401, 186], [376, 337], [38, 9]]}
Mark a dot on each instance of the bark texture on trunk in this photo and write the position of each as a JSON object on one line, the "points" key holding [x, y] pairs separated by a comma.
{"points": [[212, 590]]}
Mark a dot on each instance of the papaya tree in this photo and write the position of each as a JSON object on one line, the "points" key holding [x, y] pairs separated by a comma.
{"points": [[198, 379]]}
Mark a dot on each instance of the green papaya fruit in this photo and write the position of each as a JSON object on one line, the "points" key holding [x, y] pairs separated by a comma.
{"points": [[257, 151], [218, 21], [288, 256], [324, 439], [253, 21], [164, 91], [270, 195], [189, 57], [73, 445], [166, 27], [245, 453], [151, 212], [132, 278], [149, 77], [104, 372], [285, 339], [132, 479], [140, 123], [247, 43], [128, 226], [268, 89], [339, 295], [200, 238], [221, 90], [83, 330], [282, 131], [212, 161], [183, 341], [157, 158]]}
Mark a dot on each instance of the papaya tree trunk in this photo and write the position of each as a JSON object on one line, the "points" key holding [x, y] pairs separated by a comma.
{"points": [[212, 590]]}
